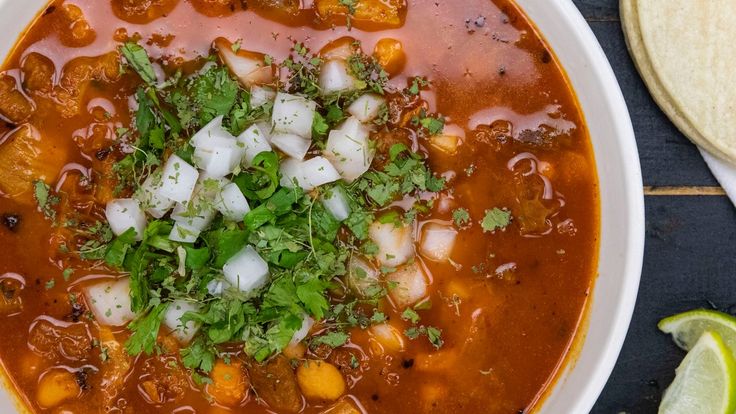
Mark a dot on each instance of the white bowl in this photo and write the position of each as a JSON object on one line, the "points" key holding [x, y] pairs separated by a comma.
{"points": [[622, 200]]}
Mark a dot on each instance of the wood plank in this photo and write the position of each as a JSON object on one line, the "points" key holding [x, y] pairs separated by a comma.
{"points": [[598, 9], [689, 261], [684, 191]]}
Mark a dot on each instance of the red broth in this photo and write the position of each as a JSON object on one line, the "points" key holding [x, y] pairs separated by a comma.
{"points": [[511, 302]]}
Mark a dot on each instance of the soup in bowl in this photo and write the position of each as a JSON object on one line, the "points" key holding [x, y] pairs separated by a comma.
{"points": [[332, 207]]}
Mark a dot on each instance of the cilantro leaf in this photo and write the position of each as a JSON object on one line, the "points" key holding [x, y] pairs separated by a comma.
{"points": [[137, 58], [495, 219], [145, 331], [331, 339], [461, 217]]}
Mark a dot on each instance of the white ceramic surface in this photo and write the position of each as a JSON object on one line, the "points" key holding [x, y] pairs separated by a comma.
{"points": [[622, 202]]}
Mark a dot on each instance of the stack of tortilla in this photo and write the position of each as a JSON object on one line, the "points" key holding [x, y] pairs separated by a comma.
{"points": [[686, 52]]}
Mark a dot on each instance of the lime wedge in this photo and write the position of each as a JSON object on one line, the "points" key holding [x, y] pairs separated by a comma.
{"points": [[687, 327], [705, 382]]}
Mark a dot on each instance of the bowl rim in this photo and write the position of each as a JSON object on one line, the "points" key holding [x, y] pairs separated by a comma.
{"points": [[611, 94]]}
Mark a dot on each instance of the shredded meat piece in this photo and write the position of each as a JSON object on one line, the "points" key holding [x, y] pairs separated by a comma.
{"points": [[377, 13], [54, 339], [38, 73], [26, 157], [287, 7], [114, 368], [275, 383], [166, 381], [217, 8], [72, 27], [14, 106], [385, 139], [77, 76], [142, 11]]}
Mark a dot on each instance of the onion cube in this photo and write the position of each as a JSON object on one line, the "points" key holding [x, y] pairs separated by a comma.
{"points": [[318, 171], [363, 277], [109, 301], [178, 180], [183, 332], [260, 95], [367, 107], [154, 204], [308, 174], [336, 202], [303, 332], [183, 233], [125, 213], [195, 216], [218, 161], [232, 203], [334, 77], [246, 270], [293, 114], [437, 241], [390, 338], [409, 285], [292, 145], [254, 141], [249, 67], [291, 173], [348, 148], [395, 244], [209, 133]]}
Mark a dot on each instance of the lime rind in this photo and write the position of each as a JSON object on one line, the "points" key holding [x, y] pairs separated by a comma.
{"points": [[687, 327], [705, 382]]}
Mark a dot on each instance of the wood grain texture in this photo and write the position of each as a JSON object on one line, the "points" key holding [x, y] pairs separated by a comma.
{"points": [[689, 261], [683, 191]]}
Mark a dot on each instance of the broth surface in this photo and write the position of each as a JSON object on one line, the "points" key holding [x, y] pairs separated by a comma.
{"points": [[510, 302]]}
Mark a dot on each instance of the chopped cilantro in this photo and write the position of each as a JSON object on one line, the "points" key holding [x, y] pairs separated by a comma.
{"points": [[495, 219], [461, 217]]}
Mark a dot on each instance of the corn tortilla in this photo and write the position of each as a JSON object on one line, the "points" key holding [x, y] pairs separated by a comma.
{"points": [[684, 53]]}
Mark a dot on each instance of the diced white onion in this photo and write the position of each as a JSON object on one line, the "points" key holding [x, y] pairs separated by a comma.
{"points": [[292, 145], [409, 285], [291, 173], [260, 95], [125, 213], [308, 174], [367, 107], [302, 333], [110, 302], [255, 141], [334, 77], [199, 212], [178, 180], [246, 270], [153, 203], [219, 160], [336, 202], [232, 203], [213, 132], [249, 67], [362, 277], [183, 233], [293, 114], [184, 332], [348, 148], [395, 244], [319, 171], [215, 287], [389, 337], [438, 241]]}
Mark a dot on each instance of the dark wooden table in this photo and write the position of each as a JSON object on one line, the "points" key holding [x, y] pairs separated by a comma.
{"points": [[690, 255]]}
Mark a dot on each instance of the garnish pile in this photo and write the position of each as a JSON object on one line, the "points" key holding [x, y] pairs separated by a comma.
{"points": [[244, 208]]}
